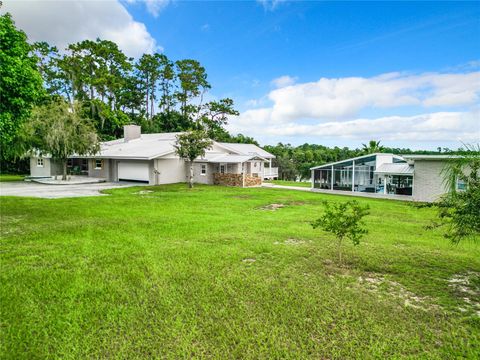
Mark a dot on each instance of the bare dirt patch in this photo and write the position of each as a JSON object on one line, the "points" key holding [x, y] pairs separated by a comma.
{"points": [[272, 207], [466, 286], [377, 283], [291, 242], [143, 192]]}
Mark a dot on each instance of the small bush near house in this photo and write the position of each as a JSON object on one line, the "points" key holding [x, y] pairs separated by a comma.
{"points": [[344, 220]]}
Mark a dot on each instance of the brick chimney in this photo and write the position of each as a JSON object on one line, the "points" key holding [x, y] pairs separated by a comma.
{"points": [[131, 132]]}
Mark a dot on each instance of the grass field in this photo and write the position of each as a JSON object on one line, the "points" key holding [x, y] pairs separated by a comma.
{"points": [[213, 272], [7, 177], [289, 183]]}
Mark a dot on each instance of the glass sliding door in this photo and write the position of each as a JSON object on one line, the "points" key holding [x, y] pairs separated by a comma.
{"points": [[399, 184]]}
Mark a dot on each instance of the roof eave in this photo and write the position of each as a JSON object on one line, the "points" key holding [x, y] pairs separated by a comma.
{"points": [[355, 158], [393, 173]]}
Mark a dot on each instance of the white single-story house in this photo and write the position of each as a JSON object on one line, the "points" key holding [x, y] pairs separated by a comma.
{"points": [[417, 177], [151, 158]]}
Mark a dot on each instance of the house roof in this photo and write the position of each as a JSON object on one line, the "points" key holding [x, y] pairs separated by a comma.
{"points": [[152, 146], [148, 146], [430, 157], [397, 157], [227, 158], [395, 169], [248, 149]]}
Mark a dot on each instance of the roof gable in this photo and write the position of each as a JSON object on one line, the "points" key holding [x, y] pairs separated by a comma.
{"points": [[247, 149]]}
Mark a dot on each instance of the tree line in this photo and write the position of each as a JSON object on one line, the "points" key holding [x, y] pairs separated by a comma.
{"points": [[153, 91]]}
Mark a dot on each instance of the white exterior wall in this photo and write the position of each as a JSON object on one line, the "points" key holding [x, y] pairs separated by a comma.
{"points": [[383, 159], [257, 168], [427, 180], [171, 170], [203, 179], [50, 168], [152, 177], [40, 171], [103, 173]]}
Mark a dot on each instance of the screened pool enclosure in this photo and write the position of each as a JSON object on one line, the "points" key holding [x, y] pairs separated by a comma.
{"points": [[374, 173]]}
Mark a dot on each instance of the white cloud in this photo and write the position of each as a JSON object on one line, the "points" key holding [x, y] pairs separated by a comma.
{"points": [[343, 98], [270, 5], [154, 7], [283, 81], [439, 126], [331, 108], [63, 22]]}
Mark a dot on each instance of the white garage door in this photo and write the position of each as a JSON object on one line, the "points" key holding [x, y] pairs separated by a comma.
{"points": [[137, 171]]}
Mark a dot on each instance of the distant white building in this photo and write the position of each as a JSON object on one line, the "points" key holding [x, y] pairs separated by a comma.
{"points": [[151, 158], [415, 176]]}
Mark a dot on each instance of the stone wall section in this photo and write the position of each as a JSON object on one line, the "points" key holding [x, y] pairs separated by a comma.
{"points": [[252, 181], [236, 180], [228, 179]]}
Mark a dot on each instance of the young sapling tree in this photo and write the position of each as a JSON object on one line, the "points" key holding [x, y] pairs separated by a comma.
{"points": [[345, 221]]}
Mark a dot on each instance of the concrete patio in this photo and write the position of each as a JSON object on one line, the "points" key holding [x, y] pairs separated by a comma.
{"points": [[71, 180], [33, 189]]}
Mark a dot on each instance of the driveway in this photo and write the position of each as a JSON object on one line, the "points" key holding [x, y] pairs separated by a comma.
{"points": [[23, 188]]}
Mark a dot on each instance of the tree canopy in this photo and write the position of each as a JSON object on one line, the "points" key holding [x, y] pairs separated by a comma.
{"points": [[20, 83], [56, 130]]}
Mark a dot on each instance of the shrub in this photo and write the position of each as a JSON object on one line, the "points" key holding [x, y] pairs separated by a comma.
{"points": [[344, 220]]}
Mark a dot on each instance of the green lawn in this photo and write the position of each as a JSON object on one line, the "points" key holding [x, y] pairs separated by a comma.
{"points": [[7, 177], [167, 272], [289, 183]]}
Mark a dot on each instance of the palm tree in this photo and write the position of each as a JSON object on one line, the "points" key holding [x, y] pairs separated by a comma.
{"points": [[372, 147]]}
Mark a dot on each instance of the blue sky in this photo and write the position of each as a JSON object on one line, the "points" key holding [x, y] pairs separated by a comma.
{"points": [[335, 73], [245, 41]]}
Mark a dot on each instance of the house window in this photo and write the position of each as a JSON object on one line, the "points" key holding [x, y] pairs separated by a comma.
{"points": [[222, 169], [255, 164], [98, 164], [461, 185], [69, 162], [203, 169], [39, 162]]}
